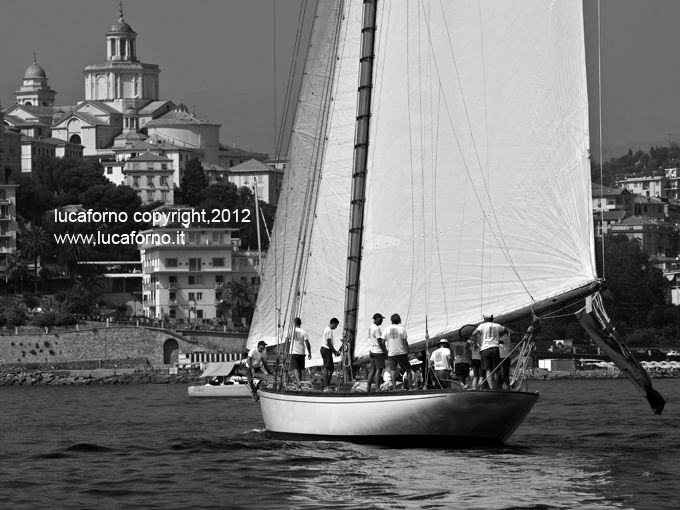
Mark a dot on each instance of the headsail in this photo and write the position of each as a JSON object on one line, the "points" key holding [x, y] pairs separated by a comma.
{"points": [[594, 320], [321, 148]]}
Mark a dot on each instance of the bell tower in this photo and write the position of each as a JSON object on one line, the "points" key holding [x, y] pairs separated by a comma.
{"points": [[122, 80]]}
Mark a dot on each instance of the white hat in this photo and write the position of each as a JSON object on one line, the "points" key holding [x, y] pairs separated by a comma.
{"points": [[415, 361]]}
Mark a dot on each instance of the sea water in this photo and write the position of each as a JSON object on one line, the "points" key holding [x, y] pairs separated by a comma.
{"points": [[586, 444]]}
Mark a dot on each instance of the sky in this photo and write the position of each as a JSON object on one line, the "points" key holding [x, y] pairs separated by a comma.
{"points": [[229, 61]]}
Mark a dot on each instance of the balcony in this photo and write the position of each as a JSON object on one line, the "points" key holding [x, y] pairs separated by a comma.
{"points": [[172, 285], [219, 285], [172, 302]]}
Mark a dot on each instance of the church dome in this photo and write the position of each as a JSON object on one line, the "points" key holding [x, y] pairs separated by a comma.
{"points": [[121, 26], [130, 111], [35, 71]]}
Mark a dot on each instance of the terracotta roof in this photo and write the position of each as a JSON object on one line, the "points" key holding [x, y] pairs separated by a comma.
{"points": [[252, 165], [178, 117], [149, 157]]}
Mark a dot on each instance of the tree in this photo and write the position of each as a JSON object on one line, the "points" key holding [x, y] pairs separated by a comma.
{"points": [[194, 183], [15, 269], [238, 296], [33, 243]]}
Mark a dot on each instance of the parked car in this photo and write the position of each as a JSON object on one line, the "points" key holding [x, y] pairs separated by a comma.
{"points": [[673, 353]]}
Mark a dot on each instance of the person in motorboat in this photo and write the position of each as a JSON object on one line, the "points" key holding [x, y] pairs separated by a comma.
{"points": [[216, 381], [378, 353], [297, 357], [256, 362], [327, 353], [441, 363], [487, 336], [395, 337]]}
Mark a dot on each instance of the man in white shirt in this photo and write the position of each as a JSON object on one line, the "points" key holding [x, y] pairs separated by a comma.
{"points": [[297, 356], [441, 363], [327, 353], [377, 353], [487, 336], [396, 340], [257, 360]]}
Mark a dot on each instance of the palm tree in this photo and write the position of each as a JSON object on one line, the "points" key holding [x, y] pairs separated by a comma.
{"points": [[71, 254], [15, 268], [34, 242], [238, 296]]}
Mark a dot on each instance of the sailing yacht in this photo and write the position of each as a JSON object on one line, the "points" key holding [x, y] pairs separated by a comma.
{"points": [[438, 169]]}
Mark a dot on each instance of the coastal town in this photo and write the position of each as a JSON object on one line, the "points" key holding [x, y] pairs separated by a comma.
{"points": [[169, 240]]}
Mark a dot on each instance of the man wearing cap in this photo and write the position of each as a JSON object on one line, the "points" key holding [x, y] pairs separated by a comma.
{"points": [[397, 350], [377, 353], [441, 362], [487, 336], [297, 356], [257, 360]]}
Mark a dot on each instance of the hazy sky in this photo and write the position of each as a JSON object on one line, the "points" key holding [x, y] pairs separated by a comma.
{"points": [[218, 56]]}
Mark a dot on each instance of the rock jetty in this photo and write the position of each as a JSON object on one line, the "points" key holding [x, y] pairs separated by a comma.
{"points": [[65, 378]]}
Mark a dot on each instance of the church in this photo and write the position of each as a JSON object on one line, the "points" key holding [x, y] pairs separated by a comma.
{"points": [[121, 119]]}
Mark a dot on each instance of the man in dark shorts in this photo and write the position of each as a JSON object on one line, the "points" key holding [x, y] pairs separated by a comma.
{"points": [[487, 335], [396, 340], [327, 353], [297, 356], [377, 353]]}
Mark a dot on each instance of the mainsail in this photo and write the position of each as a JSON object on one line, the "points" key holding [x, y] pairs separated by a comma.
{"points": [[478, 176]]}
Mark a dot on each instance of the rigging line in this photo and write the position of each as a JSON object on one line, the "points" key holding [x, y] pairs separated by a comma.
{"points": [[274, 123], [422, 171], [291, 75], [436, 224], [410, 149], [599, 107], [500, 242]]}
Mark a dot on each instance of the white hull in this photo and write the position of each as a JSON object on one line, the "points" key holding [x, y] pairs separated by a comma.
{"points": [[227, 390], [437, 416]]}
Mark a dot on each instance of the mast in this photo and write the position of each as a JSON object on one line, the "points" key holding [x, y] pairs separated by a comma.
{"points": [[358, 198], [257, 222]]}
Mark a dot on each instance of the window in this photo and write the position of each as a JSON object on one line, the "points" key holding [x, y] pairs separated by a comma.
{"points": [[113, 47], [255, 280], [195, 280], [192, 296], [218, 262], [164, 195], [173, 279], [199, 314], [149, 181], [149, 195], [219, 279], [164, 166], [135, 182], [171, 263], [109, 170], [173, 315], [164, 181], [173, 295], [218, 296], [193, 239], [194, 264], [199, 296], [217, 237], [244, 279]]}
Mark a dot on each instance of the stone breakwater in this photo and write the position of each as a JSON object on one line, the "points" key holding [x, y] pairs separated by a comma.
{"points": [[62, 378], [540, 374]]}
